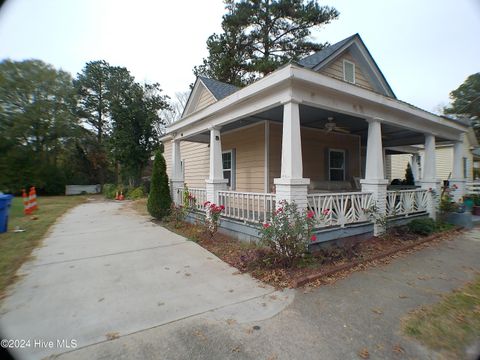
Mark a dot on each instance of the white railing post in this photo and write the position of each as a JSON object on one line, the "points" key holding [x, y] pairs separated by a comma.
{"points": [[292, 186], [177, 181], [458, 176], [215, 181], [375, 181], [429, 179]]}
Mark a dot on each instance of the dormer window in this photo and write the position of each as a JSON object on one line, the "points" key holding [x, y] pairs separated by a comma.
{"points": [[349, 71]]}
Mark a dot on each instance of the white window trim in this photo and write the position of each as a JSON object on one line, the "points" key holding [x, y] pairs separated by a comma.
{"points": [[330, 168], [232, 168], [344, 72]]}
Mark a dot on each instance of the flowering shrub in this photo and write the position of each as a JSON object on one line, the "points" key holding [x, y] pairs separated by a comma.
{"points": [[177, 215], [447, 204], [289, 232], [212, 217], [189, 201]]}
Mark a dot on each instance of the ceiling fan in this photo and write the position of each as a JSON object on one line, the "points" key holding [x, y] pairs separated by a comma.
{"points": [[330, 125]]}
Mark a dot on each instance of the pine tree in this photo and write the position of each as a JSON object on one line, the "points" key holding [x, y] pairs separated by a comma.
{"points": [[409, 180], [159, 199], [261, 35]]}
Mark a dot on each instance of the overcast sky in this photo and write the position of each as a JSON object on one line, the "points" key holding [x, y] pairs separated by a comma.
{"points": [[425, 48]]}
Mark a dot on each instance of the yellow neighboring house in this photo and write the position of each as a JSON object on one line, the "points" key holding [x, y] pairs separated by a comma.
{"points": [[396, 164]]}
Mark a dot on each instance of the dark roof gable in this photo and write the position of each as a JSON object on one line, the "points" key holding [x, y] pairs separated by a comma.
{"points": [[218, 89], [315, 59], [323, 57]]}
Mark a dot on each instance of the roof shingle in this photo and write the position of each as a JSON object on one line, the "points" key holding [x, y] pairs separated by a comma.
{"points": [[219, 89], [313, 60]]}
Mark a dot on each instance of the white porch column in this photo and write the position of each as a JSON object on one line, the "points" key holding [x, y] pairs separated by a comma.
{"points": [[458, 177], [414, 162], [291, 186], [375, 181], [429, 179], [215, 181], [177, 181]]}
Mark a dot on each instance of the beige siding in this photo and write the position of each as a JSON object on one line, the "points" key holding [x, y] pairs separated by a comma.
{"points": [[249, 152], [204, 99], [249, 145], [315, 144], [396, 166], [335, 69], [195, 157]]}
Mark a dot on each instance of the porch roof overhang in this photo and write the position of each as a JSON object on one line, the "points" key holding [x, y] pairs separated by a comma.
{"points": [[309, 88]]}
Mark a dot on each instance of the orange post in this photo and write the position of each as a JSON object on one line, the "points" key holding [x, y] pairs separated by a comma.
{"points": [[33, 199], [26, 203]]}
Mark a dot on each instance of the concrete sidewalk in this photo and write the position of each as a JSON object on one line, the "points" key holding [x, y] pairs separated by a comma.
{"points": [[105, 272], [331, 322]]}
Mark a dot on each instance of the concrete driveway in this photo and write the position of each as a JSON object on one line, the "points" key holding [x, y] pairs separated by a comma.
{"points": [[105, 272]]}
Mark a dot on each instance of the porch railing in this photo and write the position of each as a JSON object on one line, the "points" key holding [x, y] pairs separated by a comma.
{"points": [[198, 197], [473, 187], [407, 202], [340, 209], [246, 206]]}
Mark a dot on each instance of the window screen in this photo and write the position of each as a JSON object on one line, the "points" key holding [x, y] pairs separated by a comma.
{"points": [[349, 71]]}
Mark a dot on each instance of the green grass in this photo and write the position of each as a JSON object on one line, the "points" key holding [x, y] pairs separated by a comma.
{"points": [[15, 248], [450, 325]]}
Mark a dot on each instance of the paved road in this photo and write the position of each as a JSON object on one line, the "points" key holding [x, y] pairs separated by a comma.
{"points": [[105, 271]]}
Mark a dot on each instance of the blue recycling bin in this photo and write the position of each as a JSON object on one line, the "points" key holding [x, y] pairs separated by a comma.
{"points": [[5, 202]]}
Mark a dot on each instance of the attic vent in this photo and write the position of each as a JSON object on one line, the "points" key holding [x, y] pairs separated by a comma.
{"points": [[349, 71]]}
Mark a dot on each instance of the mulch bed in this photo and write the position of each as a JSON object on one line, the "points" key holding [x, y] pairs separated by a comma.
{"points": [[321, 267]]}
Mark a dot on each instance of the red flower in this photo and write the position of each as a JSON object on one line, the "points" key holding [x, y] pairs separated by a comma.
{"points": [[266, 225], [206, 203], [222, 207], [313, 238], [326, 211], [279, 210], [310, 214]]}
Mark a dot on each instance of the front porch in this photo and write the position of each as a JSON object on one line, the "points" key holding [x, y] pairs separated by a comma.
{"points": [[281, 139], [333, 211]]}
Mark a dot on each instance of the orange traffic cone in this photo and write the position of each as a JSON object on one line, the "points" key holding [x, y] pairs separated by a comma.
{"points": [[26, 203], [33, 199], [121, 197]]}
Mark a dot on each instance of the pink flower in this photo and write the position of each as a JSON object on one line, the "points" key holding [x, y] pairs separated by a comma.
{"points": [[206, 203], [222, 207], [279, 210], [310, 214], [313, 238], [266, 225], [326, 211]]}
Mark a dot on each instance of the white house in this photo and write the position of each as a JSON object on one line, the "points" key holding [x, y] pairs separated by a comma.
{"points": [[313, 132]]}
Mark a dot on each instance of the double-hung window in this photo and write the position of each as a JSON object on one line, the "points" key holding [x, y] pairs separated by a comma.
{"points": [[336, 165], [228, 162]]}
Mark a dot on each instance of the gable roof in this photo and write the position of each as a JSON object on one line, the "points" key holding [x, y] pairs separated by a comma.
{"points": [[218, 89], [355, 43], [317, 58]]}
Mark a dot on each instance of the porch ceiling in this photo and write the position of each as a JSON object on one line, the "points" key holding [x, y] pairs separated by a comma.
{"points": [[316, 118]]}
